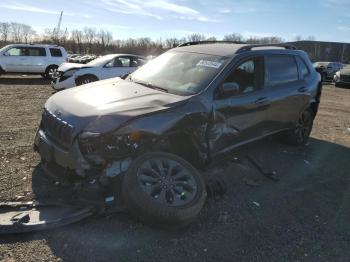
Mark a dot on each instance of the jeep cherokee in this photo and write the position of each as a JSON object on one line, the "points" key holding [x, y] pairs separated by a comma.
{"points": [[183, 109]]}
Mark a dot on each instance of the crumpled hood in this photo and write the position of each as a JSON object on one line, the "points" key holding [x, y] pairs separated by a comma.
{"points": [[105, 105], [67, 66]]}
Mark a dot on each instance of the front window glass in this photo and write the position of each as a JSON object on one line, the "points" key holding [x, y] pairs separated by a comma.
{"points": [[16, 51], [247, 75], [180, 72]]}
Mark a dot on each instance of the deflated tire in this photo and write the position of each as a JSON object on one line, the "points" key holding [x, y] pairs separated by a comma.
{"points": [[163, 189]]}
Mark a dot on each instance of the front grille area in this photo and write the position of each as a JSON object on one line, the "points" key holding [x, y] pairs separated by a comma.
{"points": [[60, 131]]}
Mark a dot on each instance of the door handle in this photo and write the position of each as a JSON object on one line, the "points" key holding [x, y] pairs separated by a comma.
{"points": [[261, 100], [302, 89]]}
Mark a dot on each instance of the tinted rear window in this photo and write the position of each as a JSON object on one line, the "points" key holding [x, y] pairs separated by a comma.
{"points": [[55, 52], [36, 51], [281, 69], [304, 71]]}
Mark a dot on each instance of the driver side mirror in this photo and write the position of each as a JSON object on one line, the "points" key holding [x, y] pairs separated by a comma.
{"points": [[5, 54], [228, 89]]}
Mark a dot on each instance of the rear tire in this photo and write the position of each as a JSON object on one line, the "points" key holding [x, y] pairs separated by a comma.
{"points": [[300, 134], [86, 79], [163, 189]]}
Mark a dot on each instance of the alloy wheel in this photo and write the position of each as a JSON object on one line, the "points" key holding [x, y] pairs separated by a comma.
{"points": [[303, 127], [167, 181]]}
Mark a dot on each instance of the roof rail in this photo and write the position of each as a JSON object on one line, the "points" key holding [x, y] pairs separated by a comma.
{"points": [[250, 47], [208, 42]]}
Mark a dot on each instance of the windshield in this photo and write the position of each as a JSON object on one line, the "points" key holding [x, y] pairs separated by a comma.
{"points": [[101, 60], [179, 72]]}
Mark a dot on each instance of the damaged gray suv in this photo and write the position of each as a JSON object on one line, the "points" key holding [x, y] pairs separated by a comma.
{"points": [[153, 129]]}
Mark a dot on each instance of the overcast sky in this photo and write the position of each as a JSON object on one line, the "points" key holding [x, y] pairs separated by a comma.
{"points": [[327, 20]]}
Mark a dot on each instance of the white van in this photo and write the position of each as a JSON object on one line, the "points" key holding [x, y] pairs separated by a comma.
{"points": [[32, 59]]}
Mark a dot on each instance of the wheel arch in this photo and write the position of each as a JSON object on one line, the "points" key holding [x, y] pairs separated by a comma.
{"points": [[314, 103], [51, 65], [77, 79]]}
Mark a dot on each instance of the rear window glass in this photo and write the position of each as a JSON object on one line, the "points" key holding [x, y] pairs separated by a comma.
{"points": [[304, 71], [281, 69], [36, 51], [55, 52]]}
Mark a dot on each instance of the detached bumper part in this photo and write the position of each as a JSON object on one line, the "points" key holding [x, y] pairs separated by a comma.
{"points": [[31, 216]]}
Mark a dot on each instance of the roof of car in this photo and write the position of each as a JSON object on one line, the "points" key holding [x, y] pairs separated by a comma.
{"points": [[227, 49], [36, 45]]}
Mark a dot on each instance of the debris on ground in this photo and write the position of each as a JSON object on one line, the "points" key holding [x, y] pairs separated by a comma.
{"points": [[256, 203], [223, 217], [252, 183], [306, 162], [216, 188]]}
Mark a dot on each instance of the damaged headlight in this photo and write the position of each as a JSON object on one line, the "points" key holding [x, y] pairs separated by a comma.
{"points": [[69, 73], [108, 145]]}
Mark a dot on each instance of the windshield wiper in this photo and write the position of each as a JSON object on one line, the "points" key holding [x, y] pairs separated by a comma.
{"points": [[150, 85]]}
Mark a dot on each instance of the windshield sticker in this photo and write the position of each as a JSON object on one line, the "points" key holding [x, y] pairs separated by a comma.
{"points": [[208, 63]]}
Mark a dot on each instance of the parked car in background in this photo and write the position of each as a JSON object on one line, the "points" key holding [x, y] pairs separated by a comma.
{"points": [[327, 69], [32, 59], [185, 108], [71, 57], [108, 66], [342, 77]]}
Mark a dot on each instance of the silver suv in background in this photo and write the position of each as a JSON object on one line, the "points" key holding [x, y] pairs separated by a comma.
{"points": [[32, 59]]}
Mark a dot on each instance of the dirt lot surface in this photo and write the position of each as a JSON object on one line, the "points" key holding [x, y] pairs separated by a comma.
{"points": [[303, 217]]}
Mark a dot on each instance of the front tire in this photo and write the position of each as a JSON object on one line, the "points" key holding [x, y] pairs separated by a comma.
{"points": [[163, 189], [301, 133]]}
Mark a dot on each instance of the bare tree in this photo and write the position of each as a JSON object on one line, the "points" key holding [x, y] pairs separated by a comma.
{"points": [[27, 33], [105, 38], [195, 37], [233, 37], [90, 36], [16, 31], [77, 37], [171, 42], [212, 38], [4, 31]]}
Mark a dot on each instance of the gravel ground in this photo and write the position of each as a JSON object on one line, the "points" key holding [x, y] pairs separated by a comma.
{"points": [[302, 217]]}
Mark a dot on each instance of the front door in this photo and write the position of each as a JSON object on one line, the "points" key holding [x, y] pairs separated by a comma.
{"points": [[119, 66], [241, 117], [15, 59]]}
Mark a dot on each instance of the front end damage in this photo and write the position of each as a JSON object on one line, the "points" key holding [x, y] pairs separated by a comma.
{"points": [[95, 151]]}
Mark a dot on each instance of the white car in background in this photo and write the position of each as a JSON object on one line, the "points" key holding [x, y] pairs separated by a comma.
{"points": [[108, 66], [32, 59]]}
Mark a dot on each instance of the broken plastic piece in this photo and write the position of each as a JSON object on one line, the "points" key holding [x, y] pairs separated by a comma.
{"points": [[21, 217]]}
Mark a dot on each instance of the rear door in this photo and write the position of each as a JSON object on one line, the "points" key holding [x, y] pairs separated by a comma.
{"points": [[241, 117], [288, 89], [36, 60]]}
